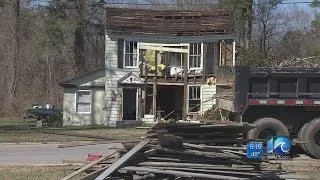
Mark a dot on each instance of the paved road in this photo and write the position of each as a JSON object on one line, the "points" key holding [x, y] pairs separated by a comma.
{"points": [[27, 154]]}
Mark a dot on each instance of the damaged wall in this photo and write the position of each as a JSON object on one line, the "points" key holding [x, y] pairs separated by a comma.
{"points": [[208, 100]]}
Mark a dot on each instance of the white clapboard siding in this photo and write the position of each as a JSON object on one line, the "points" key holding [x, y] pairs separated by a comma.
{"points": [[113, 74], [208, 99], [111, 53]]}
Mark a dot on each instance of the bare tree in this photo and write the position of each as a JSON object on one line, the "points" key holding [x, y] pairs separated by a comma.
{"points": [[2, 2], [266, 23], [79, 42], [242, 11], [12, 76]]}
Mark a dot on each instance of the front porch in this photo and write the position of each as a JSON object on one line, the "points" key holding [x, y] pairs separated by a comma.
{"points": [[196, 61]]}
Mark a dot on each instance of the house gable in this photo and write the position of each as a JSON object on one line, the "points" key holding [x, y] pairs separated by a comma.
{"points": [[93, 79], [130, 80]]}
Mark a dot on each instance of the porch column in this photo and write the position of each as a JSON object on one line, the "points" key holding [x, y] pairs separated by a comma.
{"points": [[154, 92], [185, 89], [140, 104]]}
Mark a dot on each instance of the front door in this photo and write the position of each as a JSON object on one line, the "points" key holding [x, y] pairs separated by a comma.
{"points": [[129, 104]]}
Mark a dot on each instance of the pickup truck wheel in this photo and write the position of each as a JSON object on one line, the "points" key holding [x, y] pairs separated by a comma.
{"points": [[267, 127], [301, 136], [312, 137]]}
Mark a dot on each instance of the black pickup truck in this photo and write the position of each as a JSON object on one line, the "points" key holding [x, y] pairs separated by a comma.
{"points": [[280, 101], [41, 113]]}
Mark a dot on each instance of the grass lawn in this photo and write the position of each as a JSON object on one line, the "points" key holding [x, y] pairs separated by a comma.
{"points": [[18, 131], [34, 173]]}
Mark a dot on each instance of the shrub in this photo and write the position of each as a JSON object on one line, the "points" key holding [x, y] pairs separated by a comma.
{"points": [[55, 120]]}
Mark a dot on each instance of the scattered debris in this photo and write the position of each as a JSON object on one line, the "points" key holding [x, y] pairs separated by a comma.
{"points": [[167, 153], [88, 166]]}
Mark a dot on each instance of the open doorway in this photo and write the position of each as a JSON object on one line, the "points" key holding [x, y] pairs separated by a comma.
{"points": [[170, 101], [129, 104]]}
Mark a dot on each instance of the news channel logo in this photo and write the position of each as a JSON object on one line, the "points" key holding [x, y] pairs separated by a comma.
{"points": [[276, 148]]}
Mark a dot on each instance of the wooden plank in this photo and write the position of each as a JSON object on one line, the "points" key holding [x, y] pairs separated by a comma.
{"points": [[214, 147], [96, 143], [162, 44], [235, 152], [232, 158], [210, 171], [186, 165], [94, 174], [76, 135], [181, 159], [159, 48], [197, 166], [122, 160], [88, 166], [143, 127], [150, 152], [191, 159], [178, 173]]}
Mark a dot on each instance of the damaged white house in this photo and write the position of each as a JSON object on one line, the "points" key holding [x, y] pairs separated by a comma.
{"points": [[158, 64]]}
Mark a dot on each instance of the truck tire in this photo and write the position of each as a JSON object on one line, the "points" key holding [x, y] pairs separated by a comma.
{"points": [[312, 137], [268, 127], [301, 136]]}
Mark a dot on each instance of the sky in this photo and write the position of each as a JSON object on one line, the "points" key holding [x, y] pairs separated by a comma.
{"points": [[298, 4], [39, 2]]}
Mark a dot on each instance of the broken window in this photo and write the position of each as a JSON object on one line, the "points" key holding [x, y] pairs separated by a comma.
{"points": [[130, 54], [83, 102], [194, 98], [195, 55]]}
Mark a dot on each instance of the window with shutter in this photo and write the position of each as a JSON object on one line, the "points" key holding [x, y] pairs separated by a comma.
{"points": [[131, 54]]}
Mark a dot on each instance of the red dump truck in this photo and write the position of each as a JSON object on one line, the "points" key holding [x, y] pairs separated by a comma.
{"points": [[280, 101]]}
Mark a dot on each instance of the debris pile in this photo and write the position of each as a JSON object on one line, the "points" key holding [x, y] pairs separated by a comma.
{"points": [[187, 151]]}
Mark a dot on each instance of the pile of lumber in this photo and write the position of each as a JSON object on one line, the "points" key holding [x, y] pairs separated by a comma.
{"points": [[215, 133], [187, 151]]}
